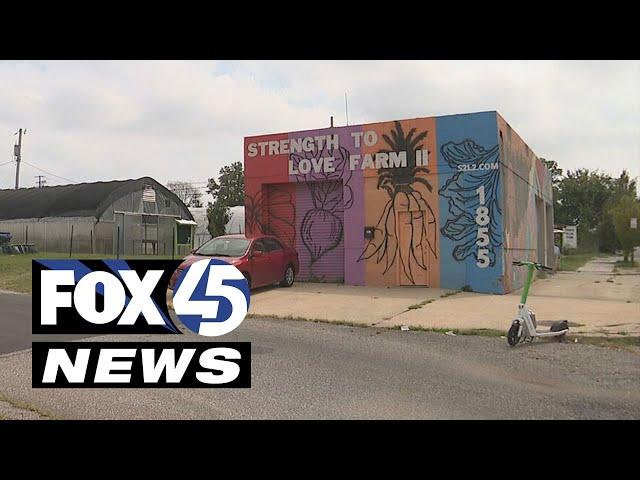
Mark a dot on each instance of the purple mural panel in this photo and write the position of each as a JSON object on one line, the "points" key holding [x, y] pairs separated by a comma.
{"points": [[319, 232], [329, 205]]}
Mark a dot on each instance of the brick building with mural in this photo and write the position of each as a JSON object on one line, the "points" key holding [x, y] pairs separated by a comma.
{"points": [[446, 201]]}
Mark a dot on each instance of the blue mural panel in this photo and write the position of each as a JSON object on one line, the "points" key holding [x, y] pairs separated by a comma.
{"points": [[470, 202]]}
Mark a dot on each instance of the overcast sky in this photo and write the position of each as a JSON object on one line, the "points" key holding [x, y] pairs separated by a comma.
{"points": [[89, 121]]}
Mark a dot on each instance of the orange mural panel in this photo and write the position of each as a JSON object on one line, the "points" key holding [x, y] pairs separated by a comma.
{"points": [[401, 202]]}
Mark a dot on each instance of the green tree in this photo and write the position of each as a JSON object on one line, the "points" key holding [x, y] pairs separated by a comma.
{"points": [[626, 208], [555, 171], [620, 187], [582, 198], [556, 177], [227, 191], [218, 216], [624, 185]]}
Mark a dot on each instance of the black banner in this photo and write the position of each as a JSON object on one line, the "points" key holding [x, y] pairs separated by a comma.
{"points": [[141, 364]]}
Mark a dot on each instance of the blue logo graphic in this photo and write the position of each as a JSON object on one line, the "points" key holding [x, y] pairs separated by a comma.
{"points": [[211, 297]]}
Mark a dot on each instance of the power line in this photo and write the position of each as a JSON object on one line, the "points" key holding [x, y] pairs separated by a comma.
{"points": [[42, 180], [7, 163], [49, 173]]}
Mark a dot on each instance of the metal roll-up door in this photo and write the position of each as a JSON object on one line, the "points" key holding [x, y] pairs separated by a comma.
{"points": [[320, 231], [279, 214]]}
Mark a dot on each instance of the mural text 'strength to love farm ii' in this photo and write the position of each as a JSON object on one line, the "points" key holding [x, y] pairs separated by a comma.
{"points": [[391, 159]]}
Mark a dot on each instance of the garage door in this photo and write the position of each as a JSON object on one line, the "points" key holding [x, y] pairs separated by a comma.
{"points": [[279, 212], [320, 231]]}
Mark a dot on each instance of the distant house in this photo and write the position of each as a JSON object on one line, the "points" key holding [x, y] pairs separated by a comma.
{"points": [[132, 217]]}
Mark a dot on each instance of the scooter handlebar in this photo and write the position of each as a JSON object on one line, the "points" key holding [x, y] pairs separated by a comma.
{"points": [[538, 266]]}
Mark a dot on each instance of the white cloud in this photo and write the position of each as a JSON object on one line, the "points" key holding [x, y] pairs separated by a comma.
{"points": [[184, 120]]}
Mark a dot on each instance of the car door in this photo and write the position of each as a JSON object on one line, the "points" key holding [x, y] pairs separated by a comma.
{"points": [[276, 259], [259, 264]]}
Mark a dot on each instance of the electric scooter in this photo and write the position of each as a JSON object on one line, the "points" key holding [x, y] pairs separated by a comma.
{"points": [[525, 327]]}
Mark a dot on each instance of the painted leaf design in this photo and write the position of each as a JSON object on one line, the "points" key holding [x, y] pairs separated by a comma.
{"points": [[407, 190], [461, 192], [253, 213]]}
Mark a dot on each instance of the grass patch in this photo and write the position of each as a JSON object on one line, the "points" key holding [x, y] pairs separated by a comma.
{"points": [[448, 294], [304, 319], [622, 265], [627, 264], [601, 341], [573, 262], [481, 332], [15, 270], [422, 303]]}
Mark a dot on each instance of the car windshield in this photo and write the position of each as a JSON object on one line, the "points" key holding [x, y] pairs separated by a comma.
{"points": [[224, 247]]}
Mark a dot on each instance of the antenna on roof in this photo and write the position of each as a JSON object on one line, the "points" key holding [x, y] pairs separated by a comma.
{"points": [[346, 108]]}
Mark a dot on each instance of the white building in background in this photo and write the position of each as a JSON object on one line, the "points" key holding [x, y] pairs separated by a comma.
{"points": [[235, 224], [201, 234], [236, 220]]}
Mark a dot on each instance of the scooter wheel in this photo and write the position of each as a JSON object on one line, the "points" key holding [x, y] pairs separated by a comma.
{"points": [[559, 326], [514, 334]]}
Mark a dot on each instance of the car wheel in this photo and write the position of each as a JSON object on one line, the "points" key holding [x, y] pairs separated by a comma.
{"points": [[289, 277]]}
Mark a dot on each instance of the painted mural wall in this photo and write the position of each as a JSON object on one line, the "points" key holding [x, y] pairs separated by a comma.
{"points": [[470, 202], [527, 187], [430, 188]]}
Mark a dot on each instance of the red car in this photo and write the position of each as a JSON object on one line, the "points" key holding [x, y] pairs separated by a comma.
{"points": [[262, 259]]}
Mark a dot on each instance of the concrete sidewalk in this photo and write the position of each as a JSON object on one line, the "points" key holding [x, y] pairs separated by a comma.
{"points": [[603, 265], [340, 303], [594, 301]]}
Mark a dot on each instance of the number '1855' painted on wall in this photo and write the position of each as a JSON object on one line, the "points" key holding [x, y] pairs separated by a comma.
{"points": [[482, 220]]}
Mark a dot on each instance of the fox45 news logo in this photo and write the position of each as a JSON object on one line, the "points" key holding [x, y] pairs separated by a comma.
{"points": [[104, 297]]}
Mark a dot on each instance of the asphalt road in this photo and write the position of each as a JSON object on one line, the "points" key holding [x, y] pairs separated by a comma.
{"points": [[321, 371], [15, 324]]}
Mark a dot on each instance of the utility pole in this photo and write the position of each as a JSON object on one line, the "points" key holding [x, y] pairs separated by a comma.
{"points": [[17, 151], [41, 180]]}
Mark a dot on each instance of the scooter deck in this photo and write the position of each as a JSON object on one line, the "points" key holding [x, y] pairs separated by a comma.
{"points": [[552, 334]]}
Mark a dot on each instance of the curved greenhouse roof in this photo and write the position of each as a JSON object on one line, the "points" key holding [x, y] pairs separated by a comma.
{"points": [[76, 200]]}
